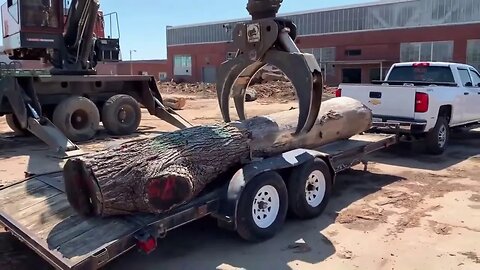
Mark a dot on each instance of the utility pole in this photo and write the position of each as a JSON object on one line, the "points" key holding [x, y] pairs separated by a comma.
{"points": [[131, 64]]}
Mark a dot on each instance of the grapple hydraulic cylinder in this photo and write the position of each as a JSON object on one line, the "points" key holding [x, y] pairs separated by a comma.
{"points": [[268, 40]]}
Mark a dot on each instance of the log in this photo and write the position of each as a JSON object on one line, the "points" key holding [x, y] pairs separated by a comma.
{"points": [[155, 175], [272, 77], [176, 103], [250, 95]]}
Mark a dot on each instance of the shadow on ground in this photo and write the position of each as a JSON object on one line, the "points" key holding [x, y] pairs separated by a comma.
{"points": [[464, 144]]}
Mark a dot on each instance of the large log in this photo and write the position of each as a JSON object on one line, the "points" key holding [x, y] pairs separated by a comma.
{"points": [[155, 175]]}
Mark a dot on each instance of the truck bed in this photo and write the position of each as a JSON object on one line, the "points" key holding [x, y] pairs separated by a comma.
{"points": [[37, 212]]}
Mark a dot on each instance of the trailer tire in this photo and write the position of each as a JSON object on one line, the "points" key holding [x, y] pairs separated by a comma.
{"points": [[309, 189], [77, 117], [15, 126], [438, 138], [266, 194], [121, 115]]}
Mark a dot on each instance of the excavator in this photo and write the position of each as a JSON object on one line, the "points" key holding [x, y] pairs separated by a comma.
{"points": [[66, 103]]}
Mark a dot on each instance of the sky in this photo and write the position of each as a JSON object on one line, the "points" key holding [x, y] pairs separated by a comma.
{"points": [[143, 22]]}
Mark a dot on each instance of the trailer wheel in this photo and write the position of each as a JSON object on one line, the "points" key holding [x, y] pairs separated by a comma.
{"points": [[437, 139], [77, 117], [14, 125], [121, 115], [262, 208], [309, 189]]}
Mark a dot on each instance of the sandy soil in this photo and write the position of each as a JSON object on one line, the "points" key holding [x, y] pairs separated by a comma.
{"points": [[407, 211]]}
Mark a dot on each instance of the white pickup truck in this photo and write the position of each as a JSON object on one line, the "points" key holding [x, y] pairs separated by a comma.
{"points": [[422, 99]]}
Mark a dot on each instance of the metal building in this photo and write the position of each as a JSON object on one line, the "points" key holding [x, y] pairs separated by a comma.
{"points": [[353, 43]]}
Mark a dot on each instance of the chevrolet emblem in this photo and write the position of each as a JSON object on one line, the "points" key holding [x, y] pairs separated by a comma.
{"points": [[375, 102]]}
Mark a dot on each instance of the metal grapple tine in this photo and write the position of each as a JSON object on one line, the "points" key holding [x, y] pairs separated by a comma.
{"points": [[240, 88], [233, 79], [303, 71], [225, 80]]}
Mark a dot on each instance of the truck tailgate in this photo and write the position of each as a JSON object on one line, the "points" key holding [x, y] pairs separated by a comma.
{"points": [[385, 101]]}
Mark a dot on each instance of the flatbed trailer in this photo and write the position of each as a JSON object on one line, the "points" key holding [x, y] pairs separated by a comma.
{"points": [[36, 210]]}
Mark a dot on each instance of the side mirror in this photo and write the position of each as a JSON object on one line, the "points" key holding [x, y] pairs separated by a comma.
{"points": [[469, 84]]}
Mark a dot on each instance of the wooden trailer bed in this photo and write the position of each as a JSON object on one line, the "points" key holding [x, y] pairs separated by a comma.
{"points": [[37, 212]]}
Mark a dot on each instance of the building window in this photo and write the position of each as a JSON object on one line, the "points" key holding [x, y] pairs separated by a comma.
{"points": [[353, 52], [439, 51], [473, 53], [325, 58], [182, 65], [162, 76]]}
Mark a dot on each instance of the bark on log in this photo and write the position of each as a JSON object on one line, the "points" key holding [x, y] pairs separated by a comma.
{"points": [[175, 103], [155, 175]]}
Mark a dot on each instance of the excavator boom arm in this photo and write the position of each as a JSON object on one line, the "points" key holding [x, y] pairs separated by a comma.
{"points": [[79, 29]]}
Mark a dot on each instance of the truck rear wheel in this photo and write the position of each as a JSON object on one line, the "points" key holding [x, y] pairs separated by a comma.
{"points": [[121, 115], [262, 208], [309, 189], [14, 125], [438, 138], [77, 117]]}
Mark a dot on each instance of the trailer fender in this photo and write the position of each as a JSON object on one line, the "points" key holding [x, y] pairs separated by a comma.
{"points": [[229, 202]]}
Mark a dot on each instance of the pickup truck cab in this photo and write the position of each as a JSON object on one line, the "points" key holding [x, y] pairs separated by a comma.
{"points": [[422, 99]]}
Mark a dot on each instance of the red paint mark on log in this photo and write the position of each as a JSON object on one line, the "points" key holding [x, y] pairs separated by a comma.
{"points": [[164, 193]]}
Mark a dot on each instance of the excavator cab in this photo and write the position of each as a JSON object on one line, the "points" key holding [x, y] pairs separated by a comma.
{"points": [[41, 29]]}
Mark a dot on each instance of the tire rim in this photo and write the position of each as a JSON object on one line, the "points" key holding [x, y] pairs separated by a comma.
{"points": [[79, 119], [315, 188], [266, 205], [126, 115], [442, 136]]}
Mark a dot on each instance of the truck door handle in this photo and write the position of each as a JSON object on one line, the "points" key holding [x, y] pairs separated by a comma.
{"points": [[375, 94], [466, 93]]}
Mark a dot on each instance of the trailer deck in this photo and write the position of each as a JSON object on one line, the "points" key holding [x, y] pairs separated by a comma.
{"points": [[37, 212]]}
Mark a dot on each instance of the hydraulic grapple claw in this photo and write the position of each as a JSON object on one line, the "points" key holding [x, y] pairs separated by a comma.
{"points": [[270, 41]]}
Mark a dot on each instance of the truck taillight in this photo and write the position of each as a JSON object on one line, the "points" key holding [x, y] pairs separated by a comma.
{"points": [[421, 102], [338, 92]]}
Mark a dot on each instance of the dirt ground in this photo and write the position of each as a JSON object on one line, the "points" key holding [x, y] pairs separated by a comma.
{"points": [[407, 211]]}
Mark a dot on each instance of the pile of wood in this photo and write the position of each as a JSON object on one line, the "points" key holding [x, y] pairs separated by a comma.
{"points": [[155, 175], [277, 90]]}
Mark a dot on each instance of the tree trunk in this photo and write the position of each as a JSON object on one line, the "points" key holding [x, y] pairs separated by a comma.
{"points": [[155, 175], [250, 95], [175, 103]]}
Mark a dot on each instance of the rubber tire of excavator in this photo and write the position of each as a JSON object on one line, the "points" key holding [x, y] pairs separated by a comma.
{"points": [[110, 117], [14, 125], [62, 118]]}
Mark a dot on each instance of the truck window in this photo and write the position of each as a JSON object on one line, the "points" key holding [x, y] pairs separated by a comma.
{"points": [[475, 78], [465, 77], [422, 74]]}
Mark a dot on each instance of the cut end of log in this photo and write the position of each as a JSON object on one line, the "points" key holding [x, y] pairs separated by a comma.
{"points": [[77, 187], [164, 193], [175, 103]]}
